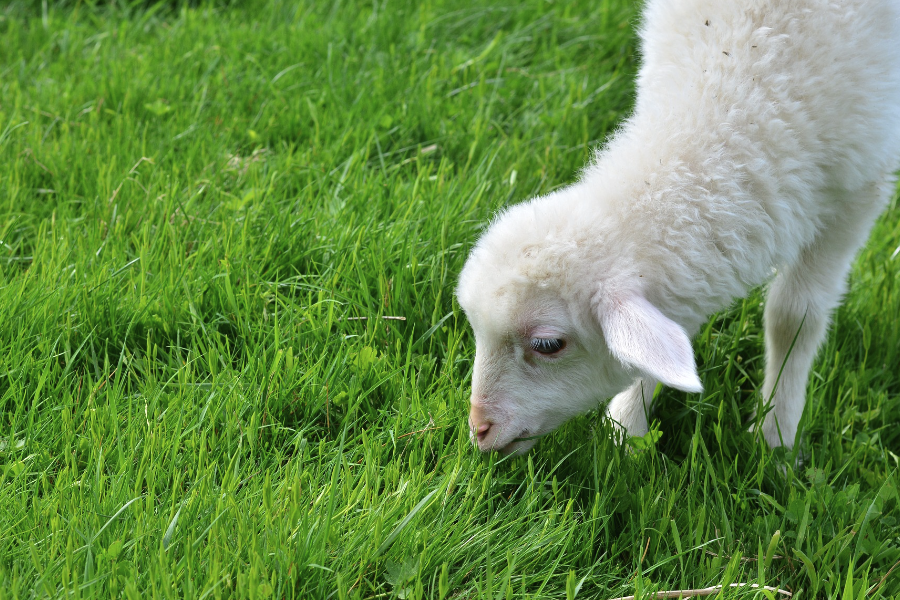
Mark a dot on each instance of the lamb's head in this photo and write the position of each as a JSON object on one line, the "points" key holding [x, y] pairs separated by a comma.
{"points": [[550, 340]]}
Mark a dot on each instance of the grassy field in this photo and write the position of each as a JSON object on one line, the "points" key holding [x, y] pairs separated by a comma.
{"points": [[231, 363]]}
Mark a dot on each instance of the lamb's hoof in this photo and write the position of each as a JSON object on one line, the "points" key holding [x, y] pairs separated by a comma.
{"points": [[783, 454]]}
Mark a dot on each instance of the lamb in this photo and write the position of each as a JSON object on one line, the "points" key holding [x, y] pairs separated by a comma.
{"points": [[764, 140]]}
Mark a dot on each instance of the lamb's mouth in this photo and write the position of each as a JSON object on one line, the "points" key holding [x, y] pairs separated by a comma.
{"points": [[519, 445], [494, 439]]}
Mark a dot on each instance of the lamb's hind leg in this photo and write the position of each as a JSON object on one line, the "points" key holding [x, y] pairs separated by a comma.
{"points": [[798, 310]]}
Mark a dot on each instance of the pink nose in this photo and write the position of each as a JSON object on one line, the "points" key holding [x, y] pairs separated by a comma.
{"points": [[482, 430], [478, 422]]}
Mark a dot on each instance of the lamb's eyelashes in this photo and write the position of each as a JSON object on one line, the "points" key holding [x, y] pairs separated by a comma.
{"points": [[547, 346]]}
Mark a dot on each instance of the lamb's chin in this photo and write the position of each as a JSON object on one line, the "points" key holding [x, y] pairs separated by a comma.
{"points": [[506, 443], [518, 446]]}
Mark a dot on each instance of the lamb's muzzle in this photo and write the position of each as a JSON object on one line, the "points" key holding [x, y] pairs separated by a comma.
{"points": [[478, 423]]}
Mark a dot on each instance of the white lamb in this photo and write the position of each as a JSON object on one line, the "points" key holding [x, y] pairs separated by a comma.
{"points": [[765, 136]]}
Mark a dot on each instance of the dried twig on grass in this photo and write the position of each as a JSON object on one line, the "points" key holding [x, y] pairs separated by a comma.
{"points": [[708, 591], [884, 577], [400, 437], [386, 318]]}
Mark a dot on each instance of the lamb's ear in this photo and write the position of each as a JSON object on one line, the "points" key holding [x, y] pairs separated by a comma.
{"points": [[640, 336]]}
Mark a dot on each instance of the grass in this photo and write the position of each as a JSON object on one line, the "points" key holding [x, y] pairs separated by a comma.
{"points": [[210, 212]]}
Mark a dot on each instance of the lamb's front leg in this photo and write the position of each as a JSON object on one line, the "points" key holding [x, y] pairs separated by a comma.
{"points": [[629, 409]]}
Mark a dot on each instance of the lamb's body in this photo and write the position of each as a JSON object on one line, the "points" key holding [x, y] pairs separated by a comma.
{"points": [[753, 132], [764, 136]]}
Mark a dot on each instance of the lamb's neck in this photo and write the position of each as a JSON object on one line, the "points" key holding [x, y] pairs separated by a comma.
{"points": [[663, 226]]}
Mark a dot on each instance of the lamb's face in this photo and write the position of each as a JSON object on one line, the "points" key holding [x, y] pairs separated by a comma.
{"points": [[560, 322], [537, 364]]}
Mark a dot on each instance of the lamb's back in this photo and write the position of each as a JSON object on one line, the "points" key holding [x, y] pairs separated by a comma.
{"points": [[810, 86], [755, 123]]}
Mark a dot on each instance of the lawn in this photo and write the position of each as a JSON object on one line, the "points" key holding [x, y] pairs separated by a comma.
{"points": [[232, 364]]}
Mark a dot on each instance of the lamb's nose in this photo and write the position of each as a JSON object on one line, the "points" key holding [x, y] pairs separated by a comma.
{"points": [[479, 424]]}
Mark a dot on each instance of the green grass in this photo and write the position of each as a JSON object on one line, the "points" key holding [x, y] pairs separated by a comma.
{"points": [[206, 213]]}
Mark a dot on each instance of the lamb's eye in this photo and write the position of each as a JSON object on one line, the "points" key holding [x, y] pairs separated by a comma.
{"points": [[547, 346]]}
